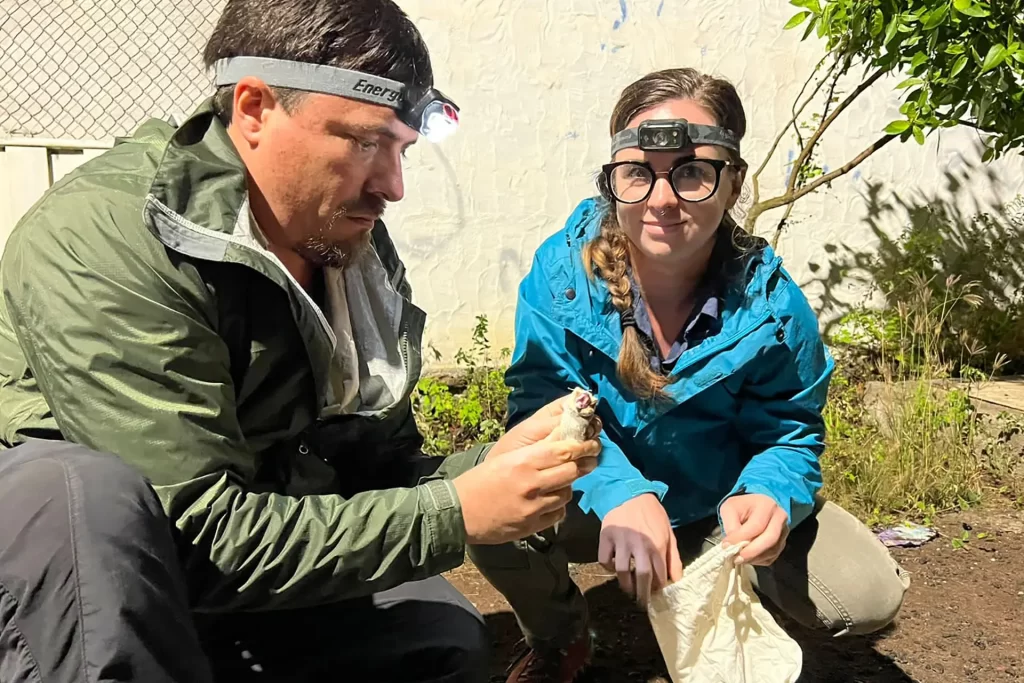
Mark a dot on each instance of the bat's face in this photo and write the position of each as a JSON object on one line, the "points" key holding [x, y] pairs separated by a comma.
{"points": [[584, 402]]}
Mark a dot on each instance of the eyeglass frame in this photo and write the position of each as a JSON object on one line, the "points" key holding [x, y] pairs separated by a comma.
{"points": [[605, 184]]}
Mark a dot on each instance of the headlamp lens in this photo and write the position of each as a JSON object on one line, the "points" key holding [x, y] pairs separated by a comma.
{"points": [[439, 121]]}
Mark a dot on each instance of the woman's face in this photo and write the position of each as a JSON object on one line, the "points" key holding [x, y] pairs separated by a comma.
{"points": [[664, 228]]}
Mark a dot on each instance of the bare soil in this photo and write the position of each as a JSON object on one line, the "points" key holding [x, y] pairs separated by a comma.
{"points": [[963, 619]]}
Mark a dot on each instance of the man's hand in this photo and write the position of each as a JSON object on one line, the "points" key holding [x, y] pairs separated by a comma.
{"points": [[538, 427], [756, 518], [639, 530], [519, 492]]}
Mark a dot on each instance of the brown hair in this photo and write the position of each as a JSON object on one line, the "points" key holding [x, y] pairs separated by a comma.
{"points": [[607, 256], [373, 36]]}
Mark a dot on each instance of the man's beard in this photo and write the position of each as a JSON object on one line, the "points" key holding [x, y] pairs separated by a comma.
{"points": [[321, 250]]}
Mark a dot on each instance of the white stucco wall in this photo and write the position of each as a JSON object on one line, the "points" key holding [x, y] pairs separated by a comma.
{"points": [[537, 79]]}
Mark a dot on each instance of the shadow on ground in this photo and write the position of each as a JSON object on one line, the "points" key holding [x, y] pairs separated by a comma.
{"points": [[627, 650]]}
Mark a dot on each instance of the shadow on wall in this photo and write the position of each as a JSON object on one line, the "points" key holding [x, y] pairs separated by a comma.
{"points": [[947, 232]]}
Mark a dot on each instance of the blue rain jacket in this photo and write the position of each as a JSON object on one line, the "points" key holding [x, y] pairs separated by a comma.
{"points": [[745, 411]]}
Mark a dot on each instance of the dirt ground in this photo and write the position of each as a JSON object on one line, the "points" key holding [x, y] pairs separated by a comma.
{"points": [[963, 619]]}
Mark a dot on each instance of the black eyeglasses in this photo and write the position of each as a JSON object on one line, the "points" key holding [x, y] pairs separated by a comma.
{"points": [[693, 179]]}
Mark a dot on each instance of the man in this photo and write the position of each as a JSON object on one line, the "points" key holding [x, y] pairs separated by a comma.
{"points": [[207, 350]]}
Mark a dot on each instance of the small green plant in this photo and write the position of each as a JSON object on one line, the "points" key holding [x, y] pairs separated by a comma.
{"points": [[914, 455], [454, 418], [1002, 455]]}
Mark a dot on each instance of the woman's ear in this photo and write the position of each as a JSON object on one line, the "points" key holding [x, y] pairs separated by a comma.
{"points": [[738, 177]]}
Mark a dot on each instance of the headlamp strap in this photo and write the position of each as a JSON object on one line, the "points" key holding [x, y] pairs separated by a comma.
{"points": [[330, 80]]}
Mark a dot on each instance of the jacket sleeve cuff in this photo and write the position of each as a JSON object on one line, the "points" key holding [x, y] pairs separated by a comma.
{"points": [[601, 498], [459, 463], [446, 528]]}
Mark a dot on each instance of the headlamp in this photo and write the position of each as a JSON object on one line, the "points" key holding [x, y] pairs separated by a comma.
{"points": [[426, 110], [670, 135]]}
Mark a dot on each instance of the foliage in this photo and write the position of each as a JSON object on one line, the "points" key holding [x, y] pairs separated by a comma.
{"points": [[963, 63], [912, 449], [454, 419], [970, 268]]}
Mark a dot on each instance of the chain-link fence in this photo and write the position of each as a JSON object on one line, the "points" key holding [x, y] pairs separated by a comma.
{"points": [[94, 69]]}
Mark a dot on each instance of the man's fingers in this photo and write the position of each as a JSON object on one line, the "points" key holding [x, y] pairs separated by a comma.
{"points": [[545, 454], [549, 519], [556, 499], [554, 408], [561, 476]]}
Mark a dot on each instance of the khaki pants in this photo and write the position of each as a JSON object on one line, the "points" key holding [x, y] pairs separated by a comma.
{"points": [[833, 574]]}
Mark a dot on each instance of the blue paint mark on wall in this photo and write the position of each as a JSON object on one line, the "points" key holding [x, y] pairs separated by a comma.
{"points": [[824, 169], [602, 47], [572, 135], [703, 52], [789, 165], [856, 174], [616, 48], [625, 13], [661, 6]]}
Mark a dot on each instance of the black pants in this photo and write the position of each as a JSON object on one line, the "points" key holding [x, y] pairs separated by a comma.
{"points": [[91, 590]]}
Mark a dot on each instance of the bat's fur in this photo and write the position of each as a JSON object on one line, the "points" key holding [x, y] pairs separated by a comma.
{"points": [[580, 408]]}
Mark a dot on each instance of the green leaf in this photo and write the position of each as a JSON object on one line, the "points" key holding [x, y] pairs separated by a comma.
{"points": [[936, 17], [890, 32], [877, 23], [961, 5], [919, 59], [796, 20], [919, 135], [897, 127], [955, 49], [959, 65], [996, 56], [973, 10], [810, 28], [1019, 55], [812, 5], [988, 155], [909, 82]]}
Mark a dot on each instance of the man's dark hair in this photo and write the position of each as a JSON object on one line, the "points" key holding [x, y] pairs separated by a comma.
{"points": [[372, 36]]}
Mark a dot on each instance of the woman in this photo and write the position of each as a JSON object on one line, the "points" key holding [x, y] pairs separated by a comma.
{"points": [[711, 376]]}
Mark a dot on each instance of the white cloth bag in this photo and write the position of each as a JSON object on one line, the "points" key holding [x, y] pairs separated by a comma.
{"points": [[712, 628]]}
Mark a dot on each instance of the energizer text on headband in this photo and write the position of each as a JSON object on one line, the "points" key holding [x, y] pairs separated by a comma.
{"points": [[426, 110], [667, 135]]}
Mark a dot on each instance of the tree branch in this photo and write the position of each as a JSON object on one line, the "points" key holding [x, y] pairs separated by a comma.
{"points": [[805, 153], [791, 196], [792, 122]]}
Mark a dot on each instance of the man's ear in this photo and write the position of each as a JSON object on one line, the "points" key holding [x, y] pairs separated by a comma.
{"points": [[253, 100]]}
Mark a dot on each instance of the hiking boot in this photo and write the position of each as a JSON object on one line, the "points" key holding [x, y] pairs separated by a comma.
{"points": [[552, 666]]}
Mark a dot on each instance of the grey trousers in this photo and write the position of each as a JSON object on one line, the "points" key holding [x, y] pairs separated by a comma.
{"points": [[833, 574], [91, 590]]}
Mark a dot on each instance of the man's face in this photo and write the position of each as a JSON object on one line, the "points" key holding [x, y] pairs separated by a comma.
{"points": [[326, 170]]}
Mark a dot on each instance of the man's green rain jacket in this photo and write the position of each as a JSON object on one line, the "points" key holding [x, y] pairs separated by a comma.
{"points": [[141, 317]]}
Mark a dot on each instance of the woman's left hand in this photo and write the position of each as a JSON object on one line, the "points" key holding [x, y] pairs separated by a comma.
{"points": [[756, 518]]}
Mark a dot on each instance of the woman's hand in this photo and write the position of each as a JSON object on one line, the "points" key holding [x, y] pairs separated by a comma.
{"points": [[759, 519], [639, 530]]}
